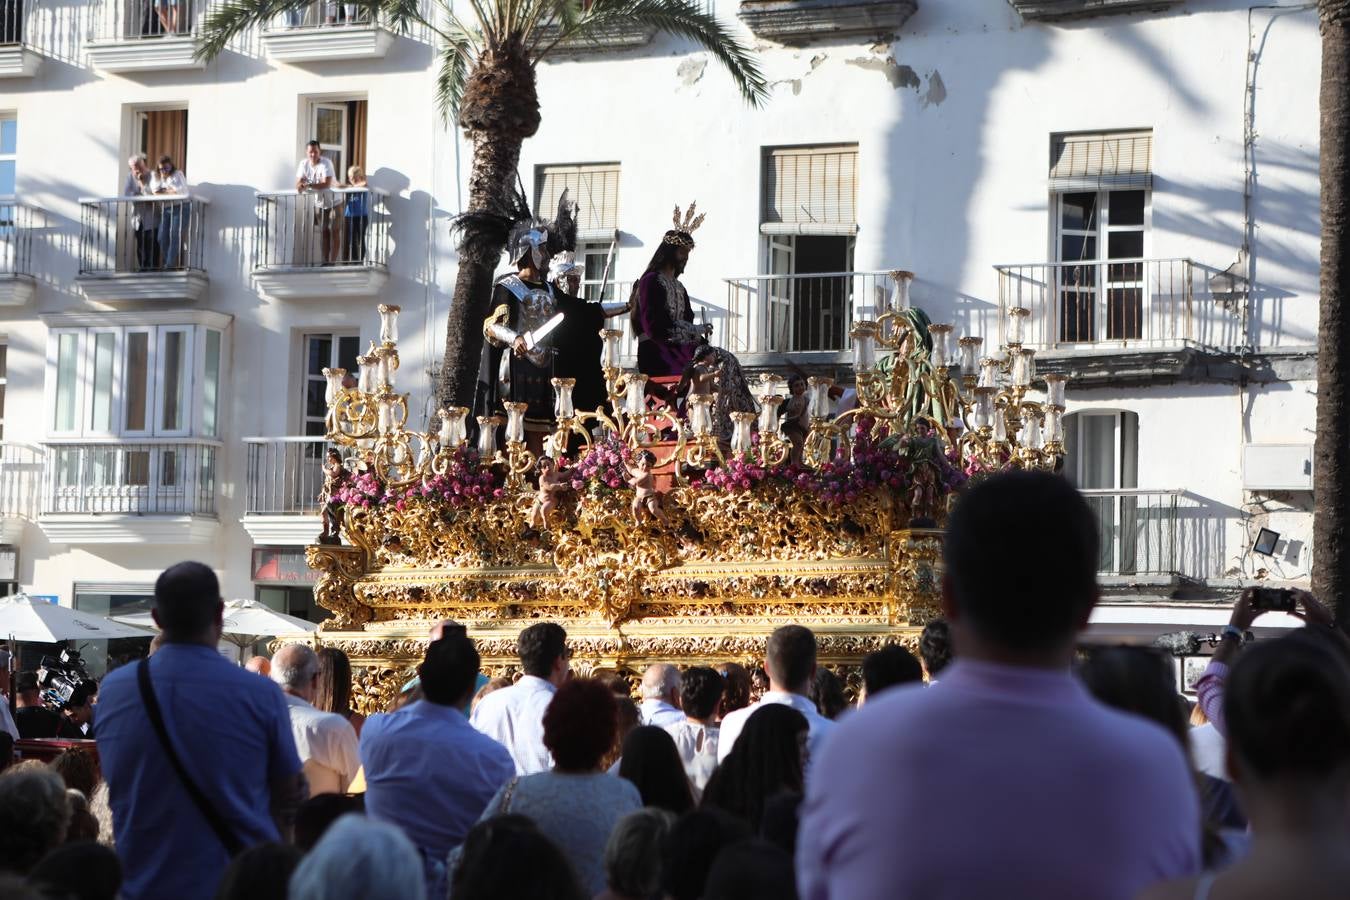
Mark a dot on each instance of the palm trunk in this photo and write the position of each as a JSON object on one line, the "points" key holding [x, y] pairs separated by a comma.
{"points": [[491, 184], [1331, 503]]}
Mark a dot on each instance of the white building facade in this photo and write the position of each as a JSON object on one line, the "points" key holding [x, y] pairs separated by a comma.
{"points": [[1144, 181]]}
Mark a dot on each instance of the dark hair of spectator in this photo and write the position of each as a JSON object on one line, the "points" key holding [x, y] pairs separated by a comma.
{"points": [[627, 716], [540, 646], [751, 870], [827, 692], [260, 873], [26, 682], [652, 763], [83, 693], [1137, 680], [334, 691], [1000, 598], [935, 646], [315, 815], [888, 667], [82, 870], [790, 656], [449, 670], [78, 769], [507, 858], [1287, 706], [736, 694], [689, 850], [700, 690], [309, 144], [187, 600], [766, 759], [579, 725], [782, 812], [34, 815], [633, 853]]}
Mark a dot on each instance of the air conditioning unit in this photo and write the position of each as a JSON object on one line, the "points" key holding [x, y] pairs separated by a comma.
{"points": [[1277, 467]]}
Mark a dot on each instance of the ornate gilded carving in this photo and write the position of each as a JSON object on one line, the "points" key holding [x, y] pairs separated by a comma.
{"points": [[918, 574], [339, 569]]}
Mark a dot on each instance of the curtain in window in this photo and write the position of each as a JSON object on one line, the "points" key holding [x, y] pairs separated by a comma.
{"points": [[166, 132], [356, 137]]}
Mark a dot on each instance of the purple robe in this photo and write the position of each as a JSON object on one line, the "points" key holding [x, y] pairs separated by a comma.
{"points": [[663, 321]]}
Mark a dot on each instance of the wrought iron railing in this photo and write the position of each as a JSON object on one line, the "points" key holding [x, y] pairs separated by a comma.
{"points": [[20, 479], [339, 227], [129, 20], [801, 313], [1144, 302], [160, 477], [324, 14], [14, 15], [142, 234], [285, 475], [17, 223]]}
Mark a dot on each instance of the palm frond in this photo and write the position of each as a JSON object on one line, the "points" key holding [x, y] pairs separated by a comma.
{"points": [[457, 55], [223, 23], [680, 17]]}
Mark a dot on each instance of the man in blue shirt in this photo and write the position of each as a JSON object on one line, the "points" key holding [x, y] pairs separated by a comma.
{"points": [[230, 729], [428, 770]]}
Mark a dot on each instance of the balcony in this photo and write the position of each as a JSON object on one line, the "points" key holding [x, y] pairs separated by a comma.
{"points": [[1060, 10], [301, 251], [1160, 538], [20, 488], [146, 35], [1117, 319], [130, 492], [325, 31], [16, 252], [806, 315], [18, 58], [146, 248], [795, 22], [285, 478]]}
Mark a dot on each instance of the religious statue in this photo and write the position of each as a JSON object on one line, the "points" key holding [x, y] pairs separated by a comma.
{"points": [[552, 482], [662, 318], [926, 464], [578, 340], [647, 501], [335, 477]]}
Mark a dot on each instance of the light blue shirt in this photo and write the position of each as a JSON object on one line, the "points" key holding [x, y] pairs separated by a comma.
{"points": [[233, 734], [429, 772]]}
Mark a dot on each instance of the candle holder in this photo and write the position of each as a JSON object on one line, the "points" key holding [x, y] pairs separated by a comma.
{"points": [[389, 323]]}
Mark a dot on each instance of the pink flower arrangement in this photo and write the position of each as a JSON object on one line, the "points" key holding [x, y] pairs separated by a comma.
{"points": [[603, 468], [464, 482]]}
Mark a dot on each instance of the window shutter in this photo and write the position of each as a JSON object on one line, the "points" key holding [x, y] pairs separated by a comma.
{"points": [[810, 190], [1110, 161], [595, 186]]}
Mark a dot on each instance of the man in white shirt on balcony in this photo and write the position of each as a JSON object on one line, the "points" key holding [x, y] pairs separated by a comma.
{"points": [[325, 741], [144, 215], [317, 177]]}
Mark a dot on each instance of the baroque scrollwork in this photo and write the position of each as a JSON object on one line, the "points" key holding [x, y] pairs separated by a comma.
{"points": [[339, 569]]}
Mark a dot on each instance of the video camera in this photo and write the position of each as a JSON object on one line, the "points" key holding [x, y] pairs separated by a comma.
{"points": [[60, 676]]}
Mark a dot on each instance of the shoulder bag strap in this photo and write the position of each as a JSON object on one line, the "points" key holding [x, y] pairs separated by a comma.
{"points": [[506, 798], [213, 817]]}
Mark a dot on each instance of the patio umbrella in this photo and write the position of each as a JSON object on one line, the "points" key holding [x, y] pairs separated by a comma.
{"points": [[24, 619], [245, 622]]}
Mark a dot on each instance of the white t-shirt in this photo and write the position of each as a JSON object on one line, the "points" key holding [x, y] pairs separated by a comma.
{"points": [[317, 173]]}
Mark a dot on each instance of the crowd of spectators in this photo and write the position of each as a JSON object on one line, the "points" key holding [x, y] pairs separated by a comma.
{"points": [[1006, 760]]}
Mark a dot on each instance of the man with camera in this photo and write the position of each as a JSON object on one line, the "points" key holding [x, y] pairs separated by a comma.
{"points": [[33, 717], [1251, 603]]}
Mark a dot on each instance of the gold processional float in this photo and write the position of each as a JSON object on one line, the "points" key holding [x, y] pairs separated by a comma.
{"points": [[742, 540]]}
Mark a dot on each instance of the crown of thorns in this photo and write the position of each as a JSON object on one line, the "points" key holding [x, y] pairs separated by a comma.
{"points": [[682, 234]]}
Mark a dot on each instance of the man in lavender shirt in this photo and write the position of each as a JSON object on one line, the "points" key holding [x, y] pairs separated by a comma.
{"points": [[1007, 779]]}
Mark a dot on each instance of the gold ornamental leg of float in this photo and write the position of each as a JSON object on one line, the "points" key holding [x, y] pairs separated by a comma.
{"points": [[339, 569], [918, 576]]}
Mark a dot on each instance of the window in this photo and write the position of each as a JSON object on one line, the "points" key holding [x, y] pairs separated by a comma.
{"points": [[1100, 185], [9, 147], [594, 187], [4, 382], [135, 381], [324, 351], [116, 599], [1101, 457], [164, 132], [340, 128], [808, 219]]}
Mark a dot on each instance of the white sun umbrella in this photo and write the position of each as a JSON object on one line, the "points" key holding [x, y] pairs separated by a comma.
{"points": [[245, 622], [25, 619]]}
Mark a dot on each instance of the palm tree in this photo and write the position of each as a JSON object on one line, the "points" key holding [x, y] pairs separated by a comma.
{"points": [[487, 80], [1331, 468]]}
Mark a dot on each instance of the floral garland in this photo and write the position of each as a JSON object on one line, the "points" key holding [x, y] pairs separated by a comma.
{"points": [[603, 468], [464, 482]]}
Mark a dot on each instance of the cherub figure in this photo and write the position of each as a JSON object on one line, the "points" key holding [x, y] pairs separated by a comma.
{"points": [[700, 376], [335, 477], [552, 482], [647, 502]]}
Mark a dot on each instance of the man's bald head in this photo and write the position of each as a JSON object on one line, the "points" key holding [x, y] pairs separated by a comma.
{"points": [[661, 681], [296, 668], [260, 664], [444, 627]]}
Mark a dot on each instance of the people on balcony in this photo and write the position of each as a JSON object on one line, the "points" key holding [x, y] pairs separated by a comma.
{"points": [[355, 217], [315, 178], [144, 215], [172, 16], [174, 216]]}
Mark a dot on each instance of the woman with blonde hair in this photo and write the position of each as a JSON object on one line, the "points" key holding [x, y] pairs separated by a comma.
{"points": [[356, 217]]}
